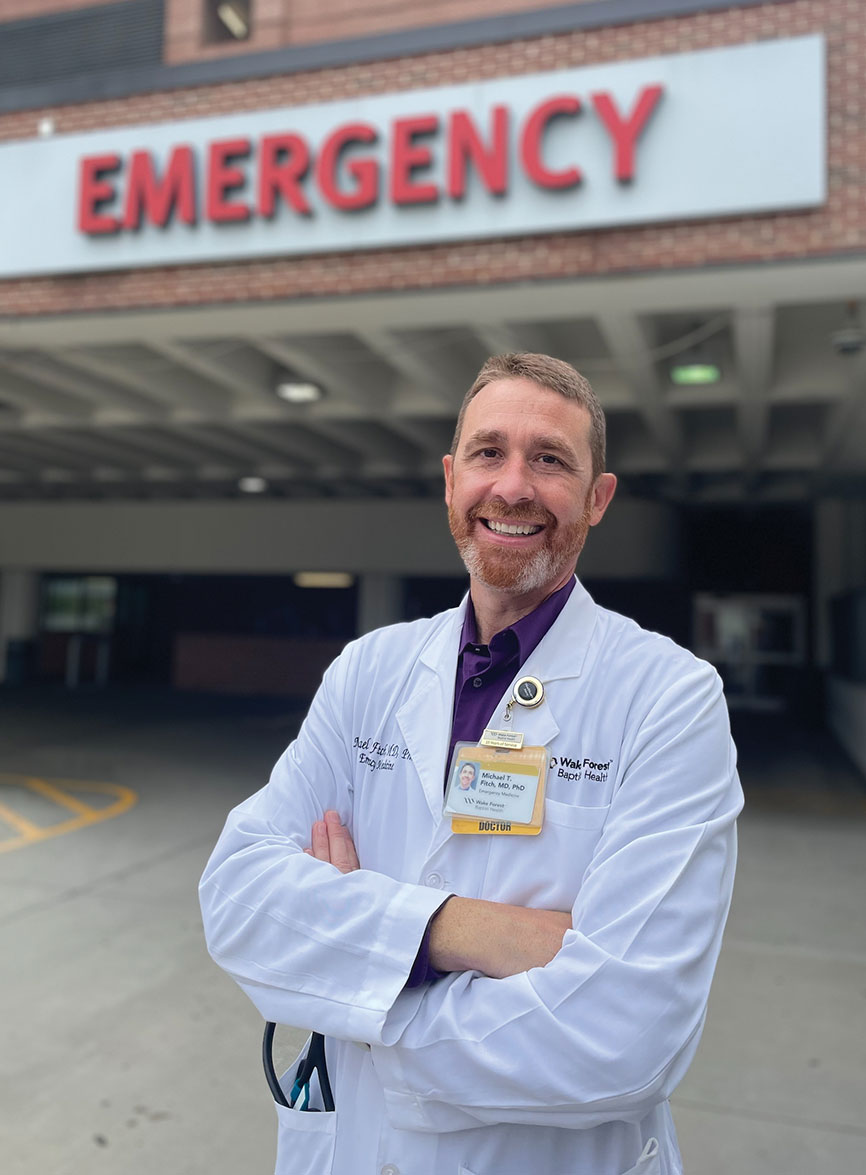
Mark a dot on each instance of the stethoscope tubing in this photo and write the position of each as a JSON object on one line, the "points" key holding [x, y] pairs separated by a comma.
{"points": [[314, 1062]]}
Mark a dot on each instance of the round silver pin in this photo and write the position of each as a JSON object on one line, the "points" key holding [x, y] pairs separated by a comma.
{"points": [[528, 691]]}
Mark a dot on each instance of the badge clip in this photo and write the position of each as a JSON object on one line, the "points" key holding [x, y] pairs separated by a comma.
{"points": [[528, 691]]}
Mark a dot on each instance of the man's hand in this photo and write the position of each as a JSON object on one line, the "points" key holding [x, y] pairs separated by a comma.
{"points": [[333, 842], [467, 934]]}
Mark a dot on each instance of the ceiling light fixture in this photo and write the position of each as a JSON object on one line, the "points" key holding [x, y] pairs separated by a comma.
{"points": [[235, 19], [693, 361], [693, 374], [324, 579], [252, 485], [299, 391]]}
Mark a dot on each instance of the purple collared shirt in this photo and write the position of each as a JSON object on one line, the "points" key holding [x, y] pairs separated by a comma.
{"points": [[484, 672]]}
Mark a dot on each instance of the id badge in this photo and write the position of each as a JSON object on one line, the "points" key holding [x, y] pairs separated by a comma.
{"points": [[496, 790]]}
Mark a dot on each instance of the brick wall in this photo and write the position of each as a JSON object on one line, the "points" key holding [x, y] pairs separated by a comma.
{"points": [[276, 23], [840, 226]]}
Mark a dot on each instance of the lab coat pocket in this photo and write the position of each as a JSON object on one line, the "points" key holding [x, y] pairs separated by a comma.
{"points": [[649, 1162], [552, 865], [574, 815], [305, 1138], [305, 1142]]}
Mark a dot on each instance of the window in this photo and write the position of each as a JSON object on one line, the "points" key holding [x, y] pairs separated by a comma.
{"points": [[81, 603]]}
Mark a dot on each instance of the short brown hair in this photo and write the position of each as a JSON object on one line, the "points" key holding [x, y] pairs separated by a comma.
{"points": [[553, 374]]}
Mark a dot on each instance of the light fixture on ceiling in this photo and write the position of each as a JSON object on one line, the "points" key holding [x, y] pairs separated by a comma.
{"points": [[693, 362], [693, 373], [323, 579], [849, 339], [252, 485], [298, 391], [234, 15]]}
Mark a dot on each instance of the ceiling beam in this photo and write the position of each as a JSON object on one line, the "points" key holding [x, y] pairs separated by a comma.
{"points": [[422, 373], [302, 444], [105, 446], [184, 356], [170, 395], [433, 438], [500, 338], [845, 416], [27, 395], [48, 450], [356, 438], [41, 367], [627, 343], [754, 335], [238, 448]]}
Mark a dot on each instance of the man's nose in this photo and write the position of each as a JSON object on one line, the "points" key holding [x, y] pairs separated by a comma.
{"points": [[514, 482]]}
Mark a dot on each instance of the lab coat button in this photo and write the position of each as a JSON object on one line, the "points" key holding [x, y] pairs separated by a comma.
{"points": [[390, 1169], [436, 881]]}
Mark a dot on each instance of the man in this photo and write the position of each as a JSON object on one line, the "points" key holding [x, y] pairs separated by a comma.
{"points": [[467, 776], [540, 1018]]}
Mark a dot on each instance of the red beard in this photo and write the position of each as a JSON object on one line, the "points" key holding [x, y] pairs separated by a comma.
{"points": [[516, 570]]}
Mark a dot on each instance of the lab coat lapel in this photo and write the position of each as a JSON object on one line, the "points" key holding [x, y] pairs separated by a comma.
{"points": [[560, 654], [425, 716], [539, 726]]}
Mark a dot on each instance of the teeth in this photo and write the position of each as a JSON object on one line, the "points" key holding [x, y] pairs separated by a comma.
{"points": [[506, 528]]}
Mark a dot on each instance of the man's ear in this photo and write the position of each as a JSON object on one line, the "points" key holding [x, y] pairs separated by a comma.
{"points": [[602, 492], [448, 466]]}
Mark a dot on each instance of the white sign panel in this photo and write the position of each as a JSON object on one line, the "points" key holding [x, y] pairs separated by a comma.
{"points": [[714, 133]]}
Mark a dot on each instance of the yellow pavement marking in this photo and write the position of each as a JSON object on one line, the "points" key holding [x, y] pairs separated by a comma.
{"points": [[23, 826], [58, 792], [44, 788]]}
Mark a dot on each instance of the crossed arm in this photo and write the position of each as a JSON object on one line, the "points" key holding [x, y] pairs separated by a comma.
{"points": [[467, 934]]}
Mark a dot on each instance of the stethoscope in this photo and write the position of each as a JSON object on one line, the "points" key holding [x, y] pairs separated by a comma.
{"points": [[314, 1062]]}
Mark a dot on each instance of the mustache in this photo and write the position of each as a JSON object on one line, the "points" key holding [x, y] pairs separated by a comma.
{"points": [[522, 512]]}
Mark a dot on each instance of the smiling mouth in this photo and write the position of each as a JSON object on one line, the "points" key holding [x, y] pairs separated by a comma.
{"points": [[517, 528]]}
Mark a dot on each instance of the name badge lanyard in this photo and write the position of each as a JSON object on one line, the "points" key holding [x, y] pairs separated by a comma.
{"points": [[497, 785]]}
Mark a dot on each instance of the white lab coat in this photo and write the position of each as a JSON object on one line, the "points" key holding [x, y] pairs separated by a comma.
{"points": [[565, 1069]]}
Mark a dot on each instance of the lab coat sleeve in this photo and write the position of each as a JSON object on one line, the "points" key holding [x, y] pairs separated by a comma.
{"points": [[607, 1029], [310, 946]]}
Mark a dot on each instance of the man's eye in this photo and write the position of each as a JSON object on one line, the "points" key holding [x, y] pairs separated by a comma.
{"points": [[489, 453], [549, 459]]}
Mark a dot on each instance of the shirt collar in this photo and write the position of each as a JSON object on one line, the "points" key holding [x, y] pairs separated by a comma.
{"points": [[527, 631]]}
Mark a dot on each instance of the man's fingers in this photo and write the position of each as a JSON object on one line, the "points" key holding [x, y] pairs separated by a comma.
{"points": [[321, 848], [331, 841], [341, 845]]}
